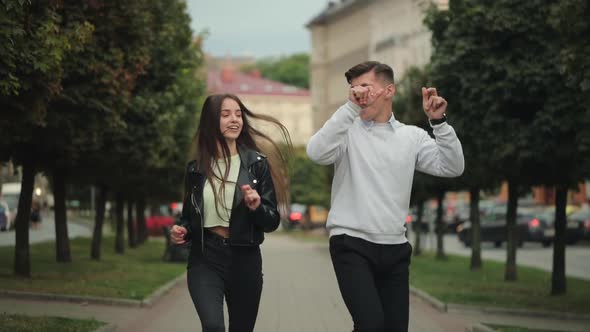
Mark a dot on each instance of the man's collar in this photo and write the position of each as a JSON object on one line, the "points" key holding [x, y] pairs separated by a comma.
{"points": [[369, 124]]}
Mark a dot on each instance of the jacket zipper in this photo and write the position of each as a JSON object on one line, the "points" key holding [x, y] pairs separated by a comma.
{"points": [[193, 200], [251, 226]]}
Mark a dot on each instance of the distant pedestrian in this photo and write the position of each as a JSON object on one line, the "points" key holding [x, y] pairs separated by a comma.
{"points": [[375, 157], [35, 215], [232, 191]]}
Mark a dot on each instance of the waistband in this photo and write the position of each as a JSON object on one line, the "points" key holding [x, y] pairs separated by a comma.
{"points": [[210, 236]]}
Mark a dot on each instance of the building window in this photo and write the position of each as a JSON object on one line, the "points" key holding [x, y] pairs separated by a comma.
{"points": [[289, 89]]}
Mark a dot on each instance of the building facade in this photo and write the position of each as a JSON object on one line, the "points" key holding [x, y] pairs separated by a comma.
{"points": [[288, 104], [348, 32]]}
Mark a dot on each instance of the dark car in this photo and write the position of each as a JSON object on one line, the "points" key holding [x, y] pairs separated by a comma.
{"points": [[542, 228], [582, 219], [493, 227]]}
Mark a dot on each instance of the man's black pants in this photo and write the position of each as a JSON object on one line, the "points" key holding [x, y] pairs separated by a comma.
{"points": [[373, 281]]}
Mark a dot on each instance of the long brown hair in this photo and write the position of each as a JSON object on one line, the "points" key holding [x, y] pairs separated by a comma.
{"points": [[209, 137]]}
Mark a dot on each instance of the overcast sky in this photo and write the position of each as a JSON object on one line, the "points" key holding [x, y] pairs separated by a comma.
{"points": [[254, 27]]}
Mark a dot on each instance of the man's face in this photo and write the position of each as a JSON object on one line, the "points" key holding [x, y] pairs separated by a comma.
{"points": [[378, 108]]}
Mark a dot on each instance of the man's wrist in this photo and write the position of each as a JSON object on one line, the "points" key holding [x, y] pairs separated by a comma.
{"points": [[434, 122]]}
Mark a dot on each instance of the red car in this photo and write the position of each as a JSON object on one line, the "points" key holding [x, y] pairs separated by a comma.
{"points": [[164, 217]]}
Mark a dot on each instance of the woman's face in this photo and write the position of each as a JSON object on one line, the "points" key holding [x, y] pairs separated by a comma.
{"points": [[230, 122]]}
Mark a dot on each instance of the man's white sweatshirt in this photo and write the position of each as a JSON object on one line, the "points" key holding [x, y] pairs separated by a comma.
{"points": [[374, 168]]}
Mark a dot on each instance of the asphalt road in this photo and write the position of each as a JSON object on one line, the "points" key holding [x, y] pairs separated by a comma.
{"points": [[530, 254]]}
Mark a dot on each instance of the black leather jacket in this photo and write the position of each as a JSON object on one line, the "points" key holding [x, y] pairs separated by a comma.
{"points": [[246, 227]]}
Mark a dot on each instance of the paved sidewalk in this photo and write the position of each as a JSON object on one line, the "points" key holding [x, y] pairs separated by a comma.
{"points": [[300, 295]]}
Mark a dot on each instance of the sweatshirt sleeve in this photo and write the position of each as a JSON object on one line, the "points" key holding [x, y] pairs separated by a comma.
{"points": [[442, 156], [328, 144]]}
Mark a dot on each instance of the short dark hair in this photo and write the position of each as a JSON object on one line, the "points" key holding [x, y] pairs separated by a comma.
{"points": [[381, 71]]}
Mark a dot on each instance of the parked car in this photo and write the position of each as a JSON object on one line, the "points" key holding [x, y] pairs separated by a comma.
{"points": [[10, 195], [159, 219], [582, 218], [412, 222], [493, 227], [4, 217], [542, 228], [306, 216], [295, 216]]}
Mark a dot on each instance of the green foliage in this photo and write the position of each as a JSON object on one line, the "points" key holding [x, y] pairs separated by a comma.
{"points": [[497, 63], [100, 90], [293, 69], [310, 182], [570, 18], [407, 103], [31, 66], [164, 115]]}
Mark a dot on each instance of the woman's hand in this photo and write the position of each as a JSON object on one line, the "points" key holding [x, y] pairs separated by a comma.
{"points": [[177, 234], [251, 197]]}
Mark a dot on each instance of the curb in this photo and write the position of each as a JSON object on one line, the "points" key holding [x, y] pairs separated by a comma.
{"points": [[147, 302], [107, 328], [461, 308], [434, 302], [158, 293], [479, 328]]}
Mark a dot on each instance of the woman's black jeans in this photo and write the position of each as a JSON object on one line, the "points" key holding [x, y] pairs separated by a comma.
{"points": [[373, 281], [233, 272]]}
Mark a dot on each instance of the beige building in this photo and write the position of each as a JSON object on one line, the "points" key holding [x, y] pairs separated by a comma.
{"points": [[348, 32], [290, 105]]}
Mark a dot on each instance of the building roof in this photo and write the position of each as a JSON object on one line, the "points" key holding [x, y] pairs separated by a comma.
{"points": [[228, 80], [335, 9]]}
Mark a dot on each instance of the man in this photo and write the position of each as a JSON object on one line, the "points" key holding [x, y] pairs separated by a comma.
{"points": [[375, 157]]}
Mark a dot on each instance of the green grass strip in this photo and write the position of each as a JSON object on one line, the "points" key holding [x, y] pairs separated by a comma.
{"points": [[134, 275], [21, 323]]}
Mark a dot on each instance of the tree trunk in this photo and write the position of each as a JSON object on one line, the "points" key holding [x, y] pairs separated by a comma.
{"points": [[558, 281], [418, 228], [131, 226], [120, 220], [475, 229], [512, 232], [62, 242], [101, 199], [141, 225], [22, 257], [440, 227]]}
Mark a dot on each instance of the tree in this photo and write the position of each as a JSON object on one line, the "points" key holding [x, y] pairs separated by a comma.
{"points": [[97, 86], [408, 109], [407, 106], [32, 71], [309, 182], [569, 17], [293, 69], [454, 70], [503, 56]]}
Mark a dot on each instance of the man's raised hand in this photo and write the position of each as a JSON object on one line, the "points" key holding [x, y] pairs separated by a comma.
{"points": [[434, 105]]}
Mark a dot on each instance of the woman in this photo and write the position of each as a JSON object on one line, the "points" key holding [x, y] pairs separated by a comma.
{"points": [[231, 196]]}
